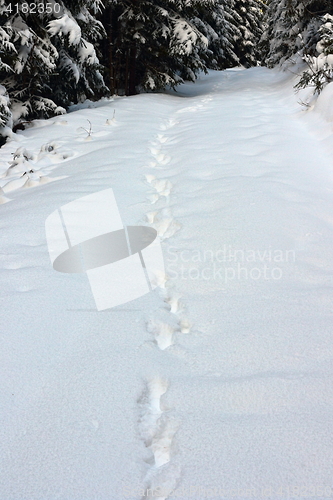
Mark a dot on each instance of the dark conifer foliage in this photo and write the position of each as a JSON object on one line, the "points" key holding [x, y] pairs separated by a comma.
{"points": [[246, 40], [152, 44], [292, 29], [65, 51], [301, 30], [47, 57]]}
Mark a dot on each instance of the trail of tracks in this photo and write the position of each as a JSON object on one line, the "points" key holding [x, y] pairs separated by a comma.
{"points": [[252, 185], [219, 378]]}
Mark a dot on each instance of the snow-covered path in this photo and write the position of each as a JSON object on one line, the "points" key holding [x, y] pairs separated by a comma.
{"points": [[219, 379]]}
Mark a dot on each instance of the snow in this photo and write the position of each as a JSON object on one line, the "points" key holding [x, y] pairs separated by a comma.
{"points": [[186, 36], [217, 383], [87, 53], [324, 103], [66, 26], [4, 106]]}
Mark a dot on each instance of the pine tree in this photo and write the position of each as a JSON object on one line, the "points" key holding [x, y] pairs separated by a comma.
{"points": [[75, 35], [5, 115], [233, 29], [320, 66], [250, 13], [292, 29], [301, 30], [152, 44], [220, 24], [285, 22], [47, 57], [7, 49], [316, 10], [51, 57]]}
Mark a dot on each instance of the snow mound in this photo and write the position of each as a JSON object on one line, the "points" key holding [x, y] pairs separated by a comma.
{"points": [[324, 104]]}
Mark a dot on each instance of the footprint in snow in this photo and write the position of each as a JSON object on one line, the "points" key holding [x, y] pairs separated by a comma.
{"points": [[167, 227], [172, 299], [162, 332], [163, 159], [151, 217], [162, 138], [153, 198], [162, 186], [157, 430], [165, 224], [168, 124]]}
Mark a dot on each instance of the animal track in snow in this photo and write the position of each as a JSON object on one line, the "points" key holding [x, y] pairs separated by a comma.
{"points": [[150, 178], [191, 109], [150, 409], [155, 151], [160, 157], [161, 445], [165, 224], [176, 308], [172, 299], [162, 138], [159, 279], [168, 124], [166, 227], [162, 186], [207, 99], [163, 159], [163, 333], [151, 217], [157, 430], [153, 198]]}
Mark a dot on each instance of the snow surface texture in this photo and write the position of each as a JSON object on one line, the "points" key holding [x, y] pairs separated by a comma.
{"points": [[215, 385]]}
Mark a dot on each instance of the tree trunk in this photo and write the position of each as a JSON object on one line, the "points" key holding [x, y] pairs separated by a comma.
{"points": [[132, 71], [110, 43], [127, 73]]}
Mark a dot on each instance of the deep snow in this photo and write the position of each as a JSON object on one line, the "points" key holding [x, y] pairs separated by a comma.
{"points": [[221, 377]]}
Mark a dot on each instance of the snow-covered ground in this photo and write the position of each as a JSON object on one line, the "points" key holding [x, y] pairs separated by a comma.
{"points": [[217, 384]]}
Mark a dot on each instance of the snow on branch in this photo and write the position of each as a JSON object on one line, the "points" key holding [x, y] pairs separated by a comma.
{"points": [[187, 36], [65, 26]]}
